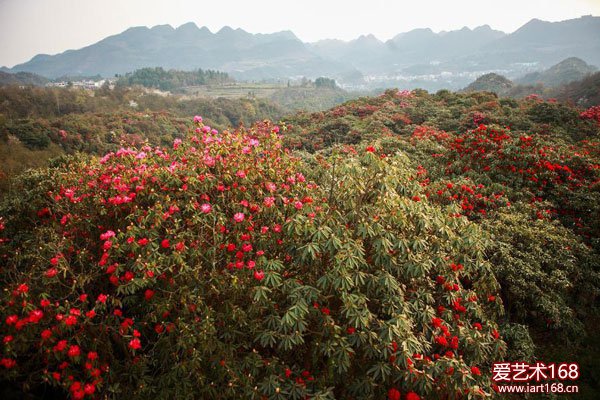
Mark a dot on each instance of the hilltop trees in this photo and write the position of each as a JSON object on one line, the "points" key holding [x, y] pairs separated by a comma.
{"points": [[325, 83], [158, 78]]}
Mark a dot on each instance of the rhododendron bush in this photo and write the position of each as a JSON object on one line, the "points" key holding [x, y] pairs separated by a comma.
{"points": [[527, 172], [216, 269]]}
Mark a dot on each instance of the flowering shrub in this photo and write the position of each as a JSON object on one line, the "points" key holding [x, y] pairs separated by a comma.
{"points": [[527, 172], [510, 183], [216, 269], [592, 113]]}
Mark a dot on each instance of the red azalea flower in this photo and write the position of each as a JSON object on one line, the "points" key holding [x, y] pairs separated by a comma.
{"points": [[35, 316], [148, 294], [454, 342], [8, 363], [412, 396], [393, 394], [74, 351], [23, 288], [259, 275], [135, 344], [89, 389], [51, 273]]}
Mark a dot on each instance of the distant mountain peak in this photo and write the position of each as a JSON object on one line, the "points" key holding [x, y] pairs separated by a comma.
{"points": [[286, 35], [490, 82], [568, 70], [136, 29], [225, 29], [191, 26], [575, 64], [370, 38], [164, 27], [420, 31], [573, 60]]}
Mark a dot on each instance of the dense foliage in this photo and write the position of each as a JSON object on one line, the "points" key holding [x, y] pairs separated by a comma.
{"points": [[527, 172], [21, 78], [585, 92], [309, 98], [32, 102], [409, 241]]}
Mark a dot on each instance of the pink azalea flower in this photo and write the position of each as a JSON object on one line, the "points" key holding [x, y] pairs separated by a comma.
{"points": [[209, 161], [239, 217], [107, 235], [269, 201]]}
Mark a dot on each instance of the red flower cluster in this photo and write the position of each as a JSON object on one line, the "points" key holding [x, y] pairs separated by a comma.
{"points": [[592, 113]]}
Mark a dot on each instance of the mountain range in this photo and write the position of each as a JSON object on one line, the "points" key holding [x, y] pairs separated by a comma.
{"points": [[571, 80], [419, 57]]}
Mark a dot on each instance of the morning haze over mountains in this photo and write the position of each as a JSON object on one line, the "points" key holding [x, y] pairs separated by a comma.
{"points": [[418, 58]]}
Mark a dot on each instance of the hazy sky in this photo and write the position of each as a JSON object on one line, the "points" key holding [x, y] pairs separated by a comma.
{"points": [[29, 27]]}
